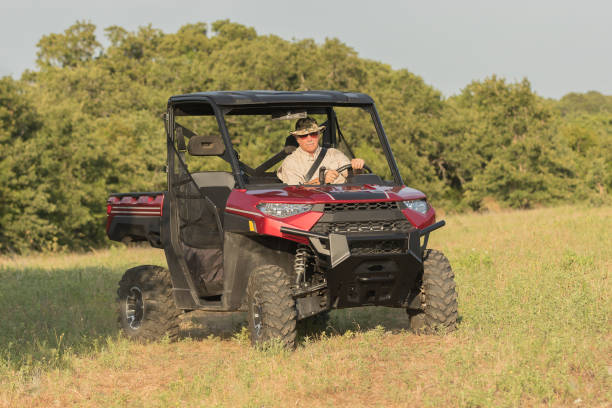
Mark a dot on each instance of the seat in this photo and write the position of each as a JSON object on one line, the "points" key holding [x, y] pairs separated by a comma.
{"points": [[214, 179]]}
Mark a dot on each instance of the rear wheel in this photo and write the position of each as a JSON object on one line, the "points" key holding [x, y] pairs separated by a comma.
{"points": [[146, 308], [438, 296], [271, 307]]}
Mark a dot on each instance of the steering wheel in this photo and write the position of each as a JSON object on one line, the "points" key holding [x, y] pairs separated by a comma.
{"points": [[340, 169]]}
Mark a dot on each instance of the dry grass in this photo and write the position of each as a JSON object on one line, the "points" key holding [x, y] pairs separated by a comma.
{"points": [[535, 308]]}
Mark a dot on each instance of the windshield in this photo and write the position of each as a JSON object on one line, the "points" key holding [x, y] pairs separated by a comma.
{"points": [[267, 150]]}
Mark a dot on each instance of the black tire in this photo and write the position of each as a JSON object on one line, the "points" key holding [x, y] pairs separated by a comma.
{"points": [[438, 311], [313, 325], [271, 307], [146, 308]]}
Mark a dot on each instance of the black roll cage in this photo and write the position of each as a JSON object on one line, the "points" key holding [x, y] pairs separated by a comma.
{"points": [[207, 104]]}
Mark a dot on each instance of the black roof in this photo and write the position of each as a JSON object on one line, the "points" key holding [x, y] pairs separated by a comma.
{"points": [[242, 98]]}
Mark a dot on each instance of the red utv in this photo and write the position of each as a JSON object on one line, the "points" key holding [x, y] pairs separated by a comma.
{"points": [[237, 238]]}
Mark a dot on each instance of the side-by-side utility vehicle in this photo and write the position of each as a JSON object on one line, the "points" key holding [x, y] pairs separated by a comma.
{"points": [[236, 238]]}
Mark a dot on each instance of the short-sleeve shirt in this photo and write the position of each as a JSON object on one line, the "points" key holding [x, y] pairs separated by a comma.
{"points": [[296, 165]]}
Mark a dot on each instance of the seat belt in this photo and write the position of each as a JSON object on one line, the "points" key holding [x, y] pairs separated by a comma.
{"points": [[316, 164]]}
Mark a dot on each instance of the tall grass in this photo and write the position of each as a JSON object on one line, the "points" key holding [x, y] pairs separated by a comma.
{"points": [[53, 306], [535, 329]]}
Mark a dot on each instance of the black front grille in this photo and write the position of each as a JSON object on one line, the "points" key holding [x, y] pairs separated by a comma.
{"points": [[362, 217], [338, 207], [377, 247], [362, 226]]}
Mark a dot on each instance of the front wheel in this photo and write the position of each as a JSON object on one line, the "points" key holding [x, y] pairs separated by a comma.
{"points": [[146, 308], [438, 310], [271, 307]]}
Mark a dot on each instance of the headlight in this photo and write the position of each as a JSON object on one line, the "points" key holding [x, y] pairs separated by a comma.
{"points": [[419, 206], [282, 210]]}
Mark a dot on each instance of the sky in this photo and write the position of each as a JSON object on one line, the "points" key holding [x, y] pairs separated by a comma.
{"points": [[560, 46]]}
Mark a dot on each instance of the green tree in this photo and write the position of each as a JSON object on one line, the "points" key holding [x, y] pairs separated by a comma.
{"points": [[500, 144], [19, 202], [591, 102], [589, 136], [76, 45]]}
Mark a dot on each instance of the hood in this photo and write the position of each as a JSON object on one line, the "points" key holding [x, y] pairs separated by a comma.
{"points": [[336, 192]]}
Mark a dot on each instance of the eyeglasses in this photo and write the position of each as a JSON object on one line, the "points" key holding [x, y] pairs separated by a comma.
{"points": [[313, 134]]}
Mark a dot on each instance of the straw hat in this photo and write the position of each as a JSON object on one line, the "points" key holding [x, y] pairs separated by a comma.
{"points": [[306, 126]]}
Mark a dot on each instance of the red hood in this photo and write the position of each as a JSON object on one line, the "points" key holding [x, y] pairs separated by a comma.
{"points": [[335, 193]]}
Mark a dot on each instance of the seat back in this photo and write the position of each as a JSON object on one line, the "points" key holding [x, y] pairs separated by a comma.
{"points": [[214, 179]]}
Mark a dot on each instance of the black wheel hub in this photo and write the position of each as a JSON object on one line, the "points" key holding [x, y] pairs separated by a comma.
{"points": [[134, 308]]}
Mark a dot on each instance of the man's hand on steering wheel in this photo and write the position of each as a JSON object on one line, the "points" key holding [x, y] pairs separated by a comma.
{"points": [[357, 164], [331, 176]]}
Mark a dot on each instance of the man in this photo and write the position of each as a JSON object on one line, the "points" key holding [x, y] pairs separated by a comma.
{"points": [[296, 166]]}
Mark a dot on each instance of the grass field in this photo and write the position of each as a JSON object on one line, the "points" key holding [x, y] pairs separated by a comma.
{"points": [[535, 307]]}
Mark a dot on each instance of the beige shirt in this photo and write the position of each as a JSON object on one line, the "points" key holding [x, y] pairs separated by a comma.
{"points": [[296, 165]]}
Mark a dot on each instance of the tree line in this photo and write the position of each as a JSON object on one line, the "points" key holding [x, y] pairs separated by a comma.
{"points": [[87, 122]]}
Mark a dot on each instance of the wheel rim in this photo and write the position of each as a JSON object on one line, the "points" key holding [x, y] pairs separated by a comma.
{"points": [[134, 308]]}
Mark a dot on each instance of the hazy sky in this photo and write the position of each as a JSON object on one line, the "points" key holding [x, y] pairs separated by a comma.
{"points": [[560, 46]]}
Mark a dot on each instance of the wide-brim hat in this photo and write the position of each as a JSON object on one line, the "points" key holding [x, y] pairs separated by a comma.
{"points": [[306, 126]]}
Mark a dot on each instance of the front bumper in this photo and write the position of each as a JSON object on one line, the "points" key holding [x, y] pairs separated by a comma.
{"points": [[382, 268]]}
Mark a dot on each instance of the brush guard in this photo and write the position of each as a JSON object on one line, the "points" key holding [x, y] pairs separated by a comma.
{"points": [[358, 278]]}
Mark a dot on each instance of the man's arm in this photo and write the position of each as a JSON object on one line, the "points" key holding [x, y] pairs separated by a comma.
{"points": [[337, 160], [289, 176]]}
